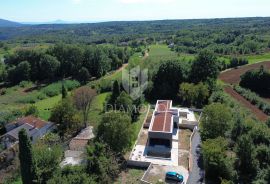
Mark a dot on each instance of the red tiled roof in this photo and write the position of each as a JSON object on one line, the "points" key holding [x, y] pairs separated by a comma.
{"points": [[31, 120]]}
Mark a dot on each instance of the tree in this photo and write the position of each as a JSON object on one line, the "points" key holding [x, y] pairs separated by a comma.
{"points": [[216, 121], [83, 76], [26, 158], [47, 160], [49, 66], [247, 163], [3, 72], [64, 91], [193, 94], [115, 92], [204, 67], [19, 73], [216, 162], [102, 162], [65, 115], [32, 110], [116, 130], [187, 93], [124, 102], [72, 175], [167, 79], [83, 98]]}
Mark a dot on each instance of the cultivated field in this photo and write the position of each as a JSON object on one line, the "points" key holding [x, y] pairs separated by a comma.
{"points": [[233, 76]]}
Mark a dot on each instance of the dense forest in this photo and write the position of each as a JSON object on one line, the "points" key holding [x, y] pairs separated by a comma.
{"points": [[223, 36], [60, 61]]}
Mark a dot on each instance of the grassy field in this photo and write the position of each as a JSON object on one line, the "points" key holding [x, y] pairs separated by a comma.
{"points": [[258, 58], [97, 108], [45, 106]]}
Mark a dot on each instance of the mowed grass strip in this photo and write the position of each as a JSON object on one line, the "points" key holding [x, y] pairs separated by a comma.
{"points": [[258, 58], [97, 109], [45, 106]]}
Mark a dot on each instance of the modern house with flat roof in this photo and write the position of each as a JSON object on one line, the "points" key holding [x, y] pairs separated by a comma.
{"points": [[161, 129], [159, 142]]}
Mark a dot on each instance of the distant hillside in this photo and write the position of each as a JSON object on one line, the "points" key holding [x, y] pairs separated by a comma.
{"points": [[7, 23], [197, 33]]}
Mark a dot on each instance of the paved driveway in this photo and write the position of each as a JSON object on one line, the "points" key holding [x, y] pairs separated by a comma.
{"points": [[197, 173]]}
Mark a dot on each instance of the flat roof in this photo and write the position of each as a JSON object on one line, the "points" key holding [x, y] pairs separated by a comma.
{"points": [[163, 105], [162, 119], [162, 122]]}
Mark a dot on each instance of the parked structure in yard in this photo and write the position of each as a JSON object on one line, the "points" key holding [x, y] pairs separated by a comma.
{"points": [[79, 142], [35, 128], [76, 153]]}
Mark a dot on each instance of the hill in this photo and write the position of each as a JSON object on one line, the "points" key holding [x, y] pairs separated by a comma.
{"points": [[7, 23]]}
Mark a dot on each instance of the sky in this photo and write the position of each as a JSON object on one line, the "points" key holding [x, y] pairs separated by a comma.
{"points": [[117, 10]]}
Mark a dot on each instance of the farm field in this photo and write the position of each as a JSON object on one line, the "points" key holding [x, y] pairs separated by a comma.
{"points": [[233, 76], [258, 58], [163, 52]]}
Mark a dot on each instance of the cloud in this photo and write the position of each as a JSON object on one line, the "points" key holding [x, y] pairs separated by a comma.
{"points": [[146, 1]]}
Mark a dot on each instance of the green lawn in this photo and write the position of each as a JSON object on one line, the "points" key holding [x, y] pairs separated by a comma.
{"points": [[258, 58], [45, 106], [97, 108]]}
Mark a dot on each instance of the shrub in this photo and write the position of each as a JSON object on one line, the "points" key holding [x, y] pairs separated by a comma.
{"points": [[25, 84], [51, 90], [55, 88], [254, 99], [3, 91], [30, 99]]}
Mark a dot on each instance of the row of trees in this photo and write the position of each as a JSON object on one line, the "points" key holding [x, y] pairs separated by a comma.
{"points": [[233, 63], [254, 99], [80, 62], [235, 148]]}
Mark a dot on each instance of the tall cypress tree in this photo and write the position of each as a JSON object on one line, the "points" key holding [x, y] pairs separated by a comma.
{"points": [[26, 158], [64, 91], [115, 91]]}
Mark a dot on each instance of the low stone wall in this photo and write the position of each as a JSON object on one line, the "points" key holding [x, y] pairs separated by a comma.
{"points": [[143, 179], [188, 125], [141, 164], [190, 163]]}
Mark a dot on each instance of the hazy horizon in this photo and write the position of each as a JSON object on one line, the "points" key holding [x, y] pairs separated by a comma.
{"points": [[26, 11]]}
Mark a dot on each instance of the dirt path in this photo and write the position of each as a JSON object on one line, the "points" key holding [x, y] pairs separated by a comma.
{"points": [[257, 112], [117, 71]]}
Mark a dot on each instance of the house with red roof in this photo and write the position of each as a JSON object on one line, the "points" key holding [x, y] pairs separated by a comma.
{"points": [[35, 129]]}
